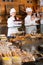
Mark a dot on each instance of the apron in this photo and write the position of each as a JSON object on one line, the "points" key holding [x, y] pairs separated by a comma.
{"points": [[30, 29], [12, 31]]}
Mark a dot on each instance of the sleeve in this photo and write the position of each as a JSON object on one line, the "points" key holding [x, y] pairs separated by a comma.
{"points": [[8, 23]]}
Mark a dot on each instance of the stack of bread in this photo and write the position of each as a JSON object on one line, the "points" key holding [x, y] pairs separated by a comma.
{"points": [[3, 37]]}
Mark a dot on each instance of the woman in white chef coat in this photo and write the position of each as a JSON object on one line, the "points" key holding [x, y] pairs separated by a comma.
{"points": [[11, 25], [29, 22]]}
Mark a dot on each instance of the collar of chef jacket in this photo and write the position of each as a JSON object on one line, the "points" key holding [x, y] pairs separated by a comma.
{"points": [[13, 18], [29, 16]]}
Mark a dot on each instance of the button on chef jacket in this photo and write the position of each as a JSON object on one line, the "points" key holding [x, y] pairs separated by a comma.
{"points": [[28, 24], [11, 26]]}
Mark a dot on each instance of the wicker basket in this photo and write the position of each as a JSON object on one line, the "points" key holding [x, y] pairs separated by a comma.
{"points": [[16, 60], [7, 61]]}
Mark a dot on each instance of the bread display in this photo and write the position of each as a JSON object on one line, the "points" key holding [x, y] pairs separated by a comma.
{"points": [[8, 49], [11, 51]]}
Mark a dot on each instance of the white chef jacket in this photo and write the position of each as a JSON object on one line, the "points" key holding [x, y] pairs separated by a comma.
{"points": [[29, 24], [11, 26]]}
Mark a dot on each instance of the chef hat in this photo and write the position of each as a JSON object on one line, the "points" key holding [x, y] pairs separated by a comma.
{"points": [[28, 9], [12, 10]]}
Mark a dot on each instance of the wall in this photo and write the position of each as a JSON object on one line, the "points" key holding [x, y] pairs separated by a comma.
{"points": [[5, 8]]}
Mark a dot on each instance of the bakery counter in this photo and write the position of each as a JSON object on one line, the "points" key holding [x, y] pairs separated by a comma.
{"points": [[21, 56]]}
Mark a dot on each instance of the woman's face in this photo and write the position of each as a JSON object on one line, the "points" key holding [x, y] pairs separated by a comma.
{"points": [[14, 14], [29, 13]]}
